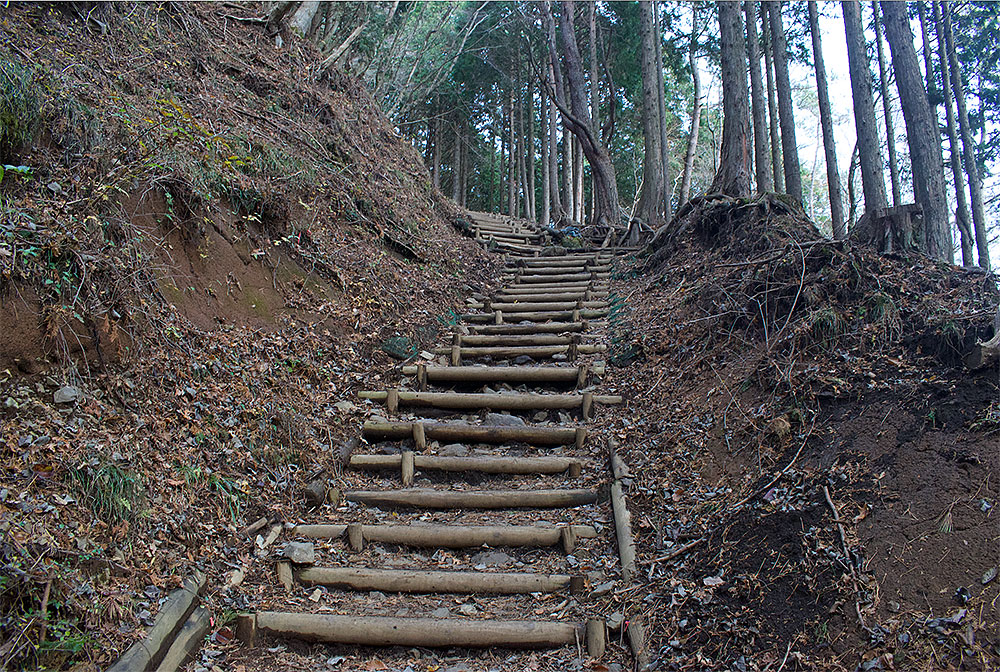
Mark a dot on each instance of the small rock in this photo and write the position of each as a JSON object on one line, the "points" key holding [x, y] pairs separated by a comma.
{"points": [[461, 667], [990, 574], [615, 621], [540, 416], [454, 450], [376, 596], [503, 420], [346, 406], [300, 552], [315, 493], [565, 418], [491, 558], [602, 589], [24, 441], [54, 187], [66, 395], [521, 360], [468, 610], [441, 612], [559, 357]]}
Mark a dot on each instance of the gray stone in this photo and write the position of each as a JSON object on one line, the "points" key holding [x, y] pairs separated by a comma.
{"points": [[491, 557], [315, 493], [441, 612], [540, 416], [503, 420], [300, 552], [615, 621], [602, 589], [54, 187], [468, 610], [523, 359], [454, 450], [66, 395]]}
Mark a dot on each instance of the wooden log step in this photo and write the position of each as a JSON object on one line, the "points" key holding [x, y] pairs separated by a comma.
{"points": [[554, 295], [574, 315], [422, 632], [544, 288], [417, 581], [560, 270], [453, 432], [495, 401], [426, 498], [519, 339], [537, 351], [481, 463], [564, 277], [518, 306], [504, 374], [456, 536], [535, 328]]}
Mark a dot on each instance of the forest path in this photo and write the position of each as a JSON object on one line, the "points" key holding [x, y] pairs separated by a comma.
{"points": [[475, 468]]}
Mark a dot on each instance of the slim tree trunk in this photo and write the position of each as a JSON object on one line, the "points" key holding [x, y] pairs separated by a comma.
{"points": [[962, 218], [578, 180], [777, 174], [567, 181], [436, 151], [532, 210], [557, 209], [925, 46], [662, 104], [869, 156], [595, 83], [826, 119], [733, 177], [890, 133], [786, 115], [456, 164], [544, 130], [651, 195], [762, 169], [968, 145], [922, 133], [692, 143]]}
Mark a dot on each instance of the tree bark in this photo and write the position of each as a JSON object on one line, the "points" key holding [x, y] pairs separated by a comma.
{"points": [[456, 165], [762, 169], [546, 193], [436, 150], [786, 115], [778, 176], [661, 102], [692, 143], [890, 133], [962, 217], [869, 156], [925, 45], [577, 116], [923, 135], [733, 178], [968, 145], [557, 208], [826, 119], [651, 195], [578, 181], [532, 210]]}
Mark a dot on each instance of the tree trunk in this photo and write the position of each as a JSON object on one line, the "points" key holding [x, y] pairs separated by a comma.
{"points": [[569, 205], [778, 177], [925, 45], [890, 132], [577, 115], [869, 156], [692, 144], [456, 165], [662, 104], [826, 119], [522, 160], [544, 130], [578, 180], [651, 194], [557, 209], [436, 150], [733, 177], [511, 159], [962, 218], [760, 160], [923, 135], [968, 145], [786, 115], [530, 158], [595, 98]]}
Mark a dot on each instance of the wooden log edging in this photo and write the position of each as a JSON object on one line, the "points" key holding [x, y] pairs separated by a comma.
{"points": [[626, 549], [423, 632], [482, 463], [426, 498], [150, 651], [454, 536], [419, 581], [447, 431], [188, 640], [496, 401]]}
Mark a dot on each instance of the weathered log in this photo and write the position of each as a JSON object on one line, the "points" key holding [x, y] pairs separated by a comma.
{"points": [[984, 354], [535, 328], [496, 401], [426, 498], [506, 374], [423, 632], [187, 642], [574, 315], [149, 651], [417, 581], [555, 295], [596, 638], [517, 340], [561, 270], [637, 642], [541, 288], [536, 351], [623, 531], [520, 306], [480, 463], [453, 536], [565, 277], [449, 432]]}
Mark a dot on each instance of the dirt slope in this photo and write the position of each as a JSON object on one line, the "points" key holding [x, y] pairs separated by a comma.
{"points": [[779, 383], [216, 245]]}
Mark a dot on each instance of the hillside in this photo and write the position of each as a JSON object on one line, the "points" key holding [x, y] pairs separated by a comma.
{"points": [[215, 246]]}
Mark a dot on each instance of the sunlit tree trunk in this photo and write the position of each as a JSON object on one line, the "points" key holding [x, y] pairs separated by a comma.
{"points": [[826, 119], [651, 195], [869, 156], [733, 177], [890, 133], [692, 143], [922, 134], [786, 115], [762, 168], [661, 102], [544, 130], [777, 175]]}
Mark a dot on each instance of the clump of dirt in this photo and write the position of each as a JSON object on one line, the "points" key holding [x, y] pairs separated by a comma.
{"points": [[210, 247], [815, 468]]}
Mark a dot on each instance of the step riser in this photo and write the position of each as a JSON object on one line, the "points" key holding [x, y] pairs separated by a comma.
{"points": [[413, 581], [538, 436], [478, 499], [454, 536]]}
